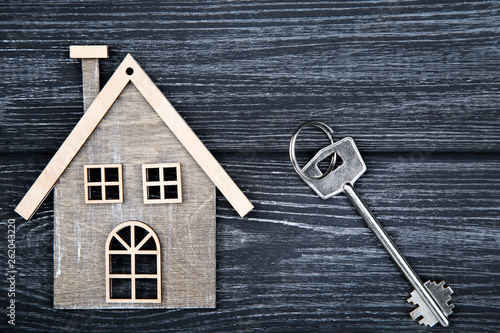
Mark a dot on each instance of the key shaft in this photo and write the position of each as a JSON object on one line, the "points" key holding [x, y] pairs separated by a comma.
{"points": [[394, 252]]}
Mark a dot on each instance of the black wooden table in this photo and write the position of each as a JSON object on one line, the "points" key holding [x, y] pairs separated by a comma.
{"points": [[415, 83]]}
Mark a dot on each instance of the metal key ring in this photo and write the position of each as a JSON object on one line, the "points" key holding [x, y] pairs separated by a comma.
{"points": [[328, 131]]}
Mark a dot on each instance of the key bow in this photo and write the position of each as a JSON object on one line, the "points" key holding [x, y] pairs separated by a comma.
{"points": [[346, 164], [350, 166]]}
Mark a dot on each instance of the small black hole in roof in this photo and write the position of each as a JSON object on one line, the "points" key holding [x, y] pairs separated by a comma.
{"points": [[129, 71]]}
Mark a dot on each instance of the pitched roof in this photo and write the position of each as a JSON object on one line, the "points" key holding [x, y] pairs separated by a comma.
{"points": [[92, 117]]}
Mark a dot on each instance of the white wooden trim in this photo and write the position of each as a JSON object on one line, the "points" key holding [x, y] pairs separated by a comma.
{"points": [[75, 140]]}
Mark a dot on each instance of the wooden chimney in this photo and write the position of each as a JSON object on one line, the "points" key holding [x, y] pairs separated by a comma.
{"points": [[90, 55]]}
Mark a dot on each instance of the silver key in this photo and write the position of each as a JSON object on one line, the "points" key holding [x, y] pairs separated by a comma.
{"points": [[432, 299]]}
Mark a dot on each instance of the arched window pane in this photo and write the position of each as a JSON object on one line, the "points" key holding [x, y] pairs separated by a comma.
{"points": [[124, 234], [140, 234], [116, 245], [149, 245]]}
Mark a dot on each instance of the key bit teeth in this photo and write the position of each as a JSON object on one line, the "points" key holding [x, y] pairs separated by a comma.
{"points": [[441, 295], [426, 320], [416, 313], [426, 317], [413, 298]]}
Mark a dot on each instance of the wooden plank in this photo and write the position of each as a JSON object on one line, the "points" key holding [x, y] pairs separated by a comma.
{"points": [[301, 263], [90, 81], [410, 76], [398, 76], [88, 51]]}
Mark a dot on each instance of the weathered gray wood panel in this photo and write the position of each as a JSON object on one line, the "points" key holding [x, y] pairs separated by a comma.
{"points": [[396, 75], [300, 263], [410, 76]]}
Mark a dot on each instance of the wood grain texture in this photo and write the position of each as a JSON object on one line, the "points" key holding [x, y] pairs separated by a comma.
{"points": [[88, 51], [90, 81], [300, 263], [415, 83], [133, 134], [396, 75]]}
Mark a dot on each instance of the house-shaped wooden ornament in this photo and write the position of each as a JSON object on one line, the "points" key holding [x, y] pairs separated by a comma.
{"points": [[134, 199]]}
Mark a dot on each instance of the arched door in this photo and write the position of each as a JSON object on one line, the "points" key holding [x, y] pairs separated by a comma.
{"points": [[133, 265]]}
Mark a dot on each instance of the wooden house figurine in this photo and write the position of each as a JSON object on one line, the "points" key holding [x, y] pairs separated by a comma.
{"points": [[134, 199]]}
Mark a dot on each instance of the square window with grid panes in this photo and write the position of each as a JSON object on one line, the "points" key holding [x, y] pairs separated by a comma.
{"points": [[103, 183], [162, 183]]}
